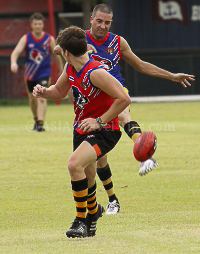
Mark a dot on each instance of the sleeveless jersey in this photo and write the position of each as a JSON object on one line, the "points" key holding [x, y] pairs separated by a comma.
{"points": [[89, 101], [108, 53], [37, 57]]}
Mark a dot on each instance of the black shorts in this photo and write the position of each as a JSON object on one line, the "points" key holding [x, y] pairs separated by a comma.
{"points": [[42, 81], [103, 140]]}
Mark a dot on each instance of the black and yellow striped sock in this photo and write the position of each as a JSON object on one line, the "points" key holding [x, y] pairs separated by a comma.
{"points": [[105, 176], [40, 122], [80, 192], [91, 201], [35, 119], [133, 130]]}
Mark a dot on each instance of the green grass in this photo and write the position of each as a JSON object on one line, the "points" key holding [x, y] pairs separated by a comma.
{"points": [[160, 212]]}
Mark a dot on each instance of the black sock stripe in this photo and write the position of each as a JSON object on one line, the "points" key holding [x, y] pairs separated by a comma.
{"points": [[80, 199], [92, 189], [81, 209], [104, 173], [92, 201], [108, 186], [79, 185], [131, 128]]}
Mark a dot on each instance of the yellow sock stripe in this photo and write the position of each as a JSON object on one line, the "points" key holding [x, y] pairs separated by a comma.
{"points": [[93, 211], [135, 136], [90, 199], [79, 194], [81, 204], [135, 127], [110, 192], [107, 181], [80, 215], [91, 205]]}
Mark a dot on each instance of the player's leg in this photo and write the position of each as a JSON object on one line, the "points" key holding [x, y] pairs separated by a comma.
{"points": [[95, 210], [32, 101], [42, 104], [41, 112], [81, 158], [133, 130], [105, 175]]}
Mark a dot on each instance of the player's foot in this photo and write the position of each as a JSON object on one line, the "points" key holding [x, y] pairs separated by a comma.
{"points": [[40, 127], [78, 229], [113, 207], [147, 166], [35, 127], [92, 221]]}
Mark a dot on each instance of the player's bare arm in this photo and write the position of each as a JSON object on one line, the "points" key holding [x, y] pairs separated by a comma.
{"points": [[54, 92], [107, 83], [150, 69], [16, 52], [57, 57]]}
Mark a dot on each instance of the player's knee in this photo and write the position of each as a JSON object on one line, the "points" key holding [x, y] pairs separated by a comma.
{"points": [[73, 166], [102, 162], [42, 101], [124, 118]]}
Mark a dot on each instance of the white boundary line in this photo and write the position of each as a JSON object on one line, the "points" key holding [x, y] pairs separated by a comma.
{"points": [[166, 98]]}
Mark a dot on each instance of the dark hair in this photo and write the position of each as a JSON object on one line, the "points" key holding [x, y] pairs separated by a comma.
{"points": [[73, 39], [37, 15], [102, 8]]}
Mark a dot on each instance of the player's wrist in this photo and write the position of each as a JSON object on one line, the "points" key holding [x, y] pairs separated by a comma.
{"points": [[100, 122]]}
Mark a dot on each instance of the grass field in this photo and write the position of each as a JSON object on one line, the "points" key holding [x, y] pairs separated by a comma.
{"points": [[160, 212]]}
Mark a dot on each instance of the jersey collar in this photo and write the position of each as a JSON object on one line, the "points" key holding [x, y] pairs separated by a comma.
{"points": [[98, 42]]}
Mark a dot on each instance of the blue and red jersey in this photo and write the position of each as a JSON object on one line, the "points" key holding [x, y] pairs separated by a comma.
{"points": [[108, 53], [89, 101], [37, 56]]}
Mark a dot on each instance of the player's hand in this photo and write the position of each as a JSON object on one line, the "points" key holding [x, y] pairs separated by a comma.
{"points": [[91, 48], [14, 67], [89, 124], [183, 78], [39, 91], [57, 50]]}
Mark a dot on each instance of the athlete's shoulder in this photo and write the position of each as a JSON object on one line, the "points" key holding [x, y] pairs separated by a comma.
{"points": [[94, 64]]}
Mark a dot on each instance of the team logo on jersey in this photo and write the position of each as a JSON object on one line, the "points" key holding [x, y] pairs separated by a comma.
{"points": [[31, 45], [109, 50], [106, 62], [81, 100], [44, 46], [85, 84], [37, 56]]}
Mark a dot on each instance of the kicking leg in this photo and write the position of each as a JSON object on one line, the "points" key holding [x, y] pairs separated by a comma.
{"points": [[133, 130]]}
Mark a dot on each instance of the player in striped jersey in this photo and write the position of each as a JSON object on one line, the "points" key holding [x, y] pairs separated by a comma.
{"points": [[38, 45], [98, 100], [109, 49]]}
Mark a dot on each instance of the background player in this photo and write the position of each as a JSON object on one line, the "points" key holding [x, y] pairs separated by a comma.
{"points": [[37, 69], [99, 98]]}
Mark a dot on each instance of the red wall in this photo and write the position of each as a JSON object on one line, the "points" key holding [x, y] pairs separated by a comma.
{"points": [[13, 29], [16, 6]]}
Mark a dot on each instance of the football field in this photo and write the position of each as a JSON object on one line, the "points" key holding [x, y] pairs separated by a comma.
{"points": [[160, 212]]}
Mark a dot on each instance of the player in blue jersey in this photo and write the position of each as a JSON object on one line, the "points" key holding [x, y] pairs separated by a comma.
{"points": [[38, 46], [109, 49]]}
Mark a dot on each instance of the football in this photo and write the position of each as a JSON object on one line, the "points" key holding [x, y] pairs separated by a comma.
{"points": [[145, 146]]}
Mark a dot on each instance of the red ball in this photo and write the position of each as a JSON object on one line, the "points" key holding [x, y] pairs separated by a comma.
{"points": [[145, 146]]}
